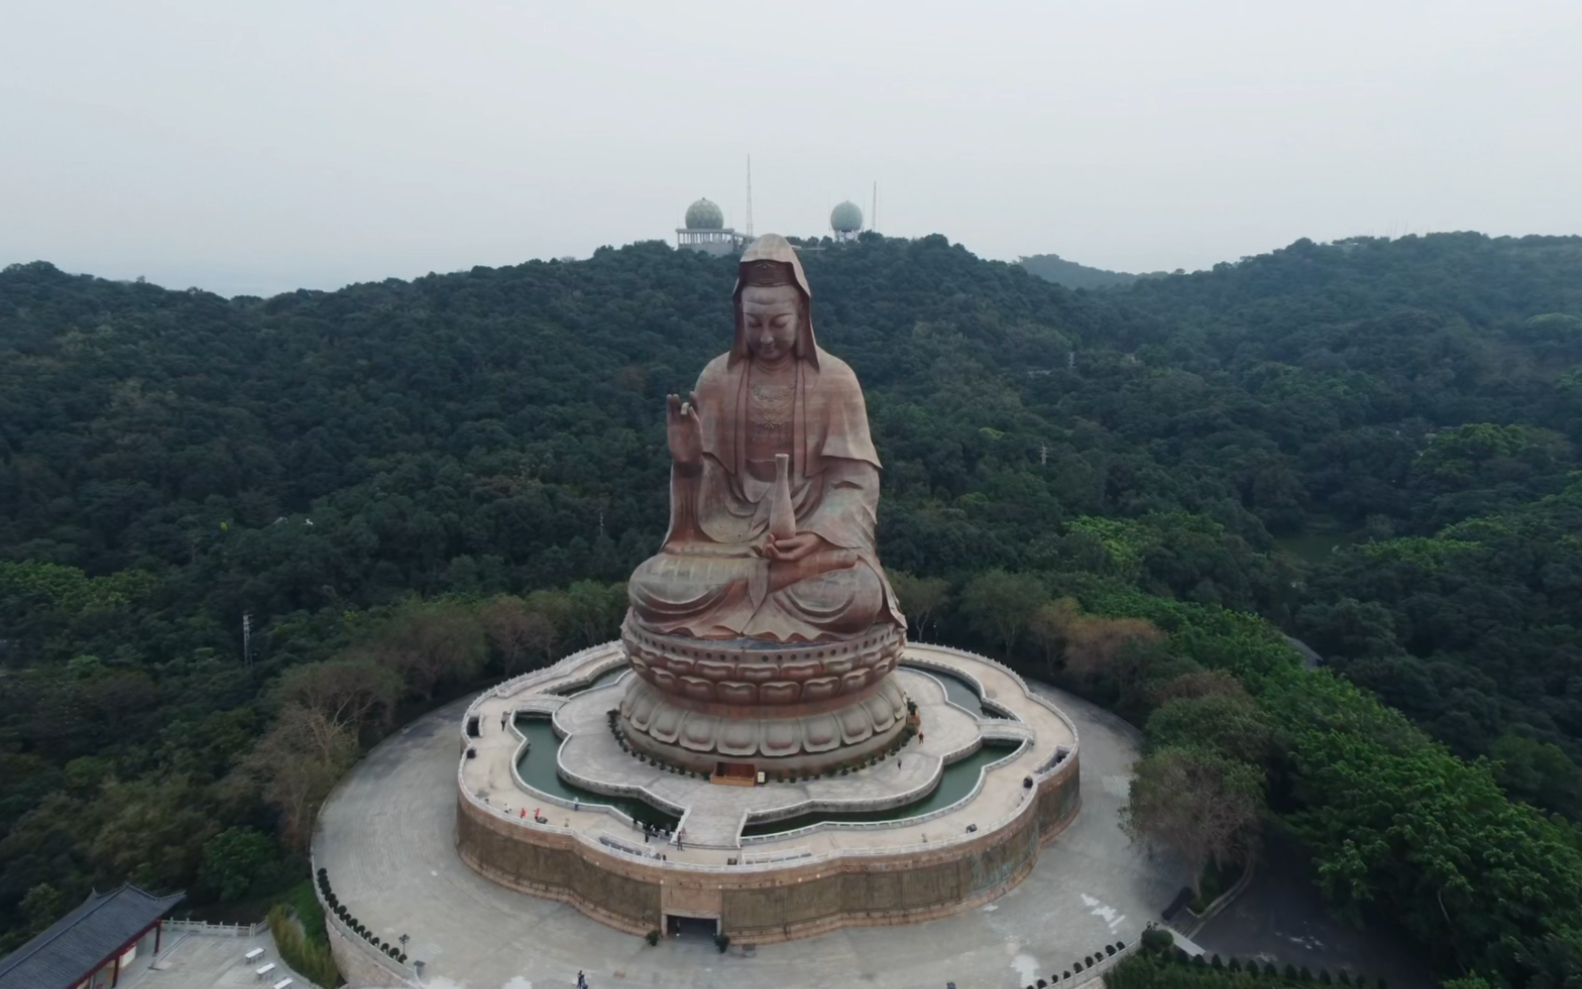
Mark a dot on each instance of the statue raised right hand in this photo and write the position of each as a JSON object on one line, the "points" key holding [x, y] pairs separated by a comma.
{"points": [[684, 430]]}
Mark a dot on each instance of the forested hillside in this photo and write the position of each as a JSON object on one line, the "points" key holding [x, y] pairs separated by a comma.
{"points": [[414, 486], [1054, 268]]}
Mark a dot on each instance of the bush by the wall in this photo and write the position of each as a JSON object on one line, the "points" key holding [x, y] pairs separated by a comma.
{"points": [[310, 959]]}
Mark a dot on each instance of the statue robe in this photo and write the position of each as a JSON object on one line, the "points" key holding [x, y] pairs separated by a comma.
{"points": [[708, 583]]}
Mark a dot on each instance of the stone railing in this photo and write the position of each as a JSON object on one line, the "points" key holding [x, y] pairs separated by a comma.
{"points": [[1023, 807], [562, 667], [577, 779], [928, 669], [647, 853], [1002, 730], [766, 858], [925, 665], [1015, 677], [640, 792], [1060, 755], [206, 929], [500, 812], [615, 790], [938, 812], [814, 805]]}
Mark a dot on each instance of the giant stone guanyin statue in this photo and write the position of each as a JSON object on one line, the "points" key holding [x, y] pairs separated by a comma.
{"points": [[764, 630]]}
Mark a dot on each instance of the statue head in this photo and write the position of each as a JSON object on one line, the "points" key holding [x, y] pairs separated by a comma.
{"points": [[774, 307]]}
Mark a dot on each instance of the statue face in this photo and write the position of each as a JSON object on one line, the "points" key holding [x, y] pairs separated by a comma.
{"points": [[770, 317]]}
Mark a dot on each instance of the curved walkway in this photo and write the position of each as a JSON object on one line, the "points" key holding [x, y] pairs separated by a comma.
{"points": [[714, 816], [386, 837]]}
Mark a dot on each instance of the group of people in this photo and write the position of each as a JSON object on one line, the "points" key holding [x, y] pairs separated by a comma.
{"points": [[663, 834]]}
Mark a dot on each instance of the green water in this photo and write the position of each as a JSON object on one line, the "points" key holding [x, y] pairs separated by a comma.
{"points": [[959, 690], [537, 767], [955, 782]]}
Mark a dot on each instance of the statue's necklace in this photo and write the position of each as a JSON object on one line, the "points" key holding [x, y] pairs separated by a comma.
{"points": [[770, 405]]}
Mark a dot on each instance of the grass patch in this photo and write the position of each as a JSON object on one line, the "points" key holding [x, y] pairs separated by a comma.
{"points": [[308, 958], [297, 923], [302, 902]]}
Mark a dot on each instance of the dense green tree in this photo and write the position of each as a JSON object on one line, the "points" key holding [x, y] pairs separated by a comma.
{"points": [[235, 859], [999, 604], [1370, 443], [1231, 725], [921, 598], [1198, 805]]}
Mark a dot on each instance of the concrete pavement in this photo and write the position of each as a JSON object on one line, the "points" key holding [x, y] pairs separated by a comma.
{"points": [[386, 838]]}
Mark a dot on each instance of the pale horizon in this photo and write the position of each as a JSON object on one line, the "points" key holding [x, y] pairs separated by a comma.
{"points": [[255, 151]]}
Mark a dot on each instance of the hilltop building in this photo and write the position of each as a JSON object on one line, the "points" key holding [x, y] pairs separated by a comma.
{"points": [[706, 231], [846, 221], [93, 946]]}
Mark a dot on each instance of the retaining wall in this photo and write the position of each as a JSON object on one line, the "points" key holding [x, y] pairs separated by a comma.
{"points": [[763, 902]]}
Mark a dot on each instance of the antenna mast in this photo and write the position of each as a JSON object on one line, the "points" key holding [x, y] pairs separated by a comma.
{"points": [[749, 197], [873, 215]]}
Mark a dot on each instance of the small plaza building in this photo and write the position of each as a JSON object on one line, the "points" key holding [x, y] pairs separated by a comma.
{"points": [[94, 946]]}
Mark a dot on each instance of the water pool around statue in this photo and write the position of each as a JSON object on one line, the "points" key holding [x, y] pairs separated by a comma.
{"points": [[537, 767], [959, 690], [956, 781]]}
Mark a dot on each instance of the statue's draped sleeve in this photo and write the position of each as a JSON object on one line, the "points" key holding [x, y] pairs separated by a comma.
{"points": [[719, 507]]}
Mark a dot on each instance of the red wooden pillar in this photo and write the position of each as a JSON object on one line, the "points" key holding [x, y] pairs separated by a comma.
{"points": [[115, 979], [159, 928]]}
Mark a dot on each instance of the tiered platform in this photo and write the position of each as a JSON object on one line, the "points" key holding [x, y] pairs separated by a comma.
{"points": [[783, 709], [887, 842]]}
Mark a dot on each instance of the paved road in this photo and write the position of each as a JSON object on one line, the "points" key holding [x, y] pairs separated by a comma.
{"points": [[387, 840], [199, 961], [1281, 917]]}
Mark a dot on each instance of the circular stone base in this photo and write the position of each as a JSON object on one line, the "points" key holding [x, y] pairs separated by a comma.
{"points": [[793, 883], [776, 746], [750, 706]]}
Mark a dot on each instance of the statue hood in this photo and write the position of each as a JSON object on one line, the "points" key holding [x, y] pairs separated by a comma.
{"points": [[773, 247]]}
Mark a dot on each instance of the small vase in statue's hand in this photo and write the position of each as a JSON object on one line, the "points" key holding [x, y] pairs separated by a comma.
{"points": [[684, 430], [782, 517]]}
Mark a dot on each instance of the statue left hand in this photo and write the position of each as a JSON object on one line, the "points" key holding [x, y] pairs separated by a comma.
{"points": [[794, 548]]}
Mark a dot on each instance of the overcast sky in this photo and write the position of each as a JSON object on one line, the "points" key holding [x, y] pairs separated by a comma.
{"points": [[264, 146]]}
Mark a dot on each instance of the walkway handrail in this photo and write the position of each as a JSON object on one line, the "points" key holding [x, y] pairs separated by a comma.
{"points": [[564, 665], [1016, 677], [700, 867], [921, 818], [603, 789], [559, 668], [945, 842], [208, 929]]}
